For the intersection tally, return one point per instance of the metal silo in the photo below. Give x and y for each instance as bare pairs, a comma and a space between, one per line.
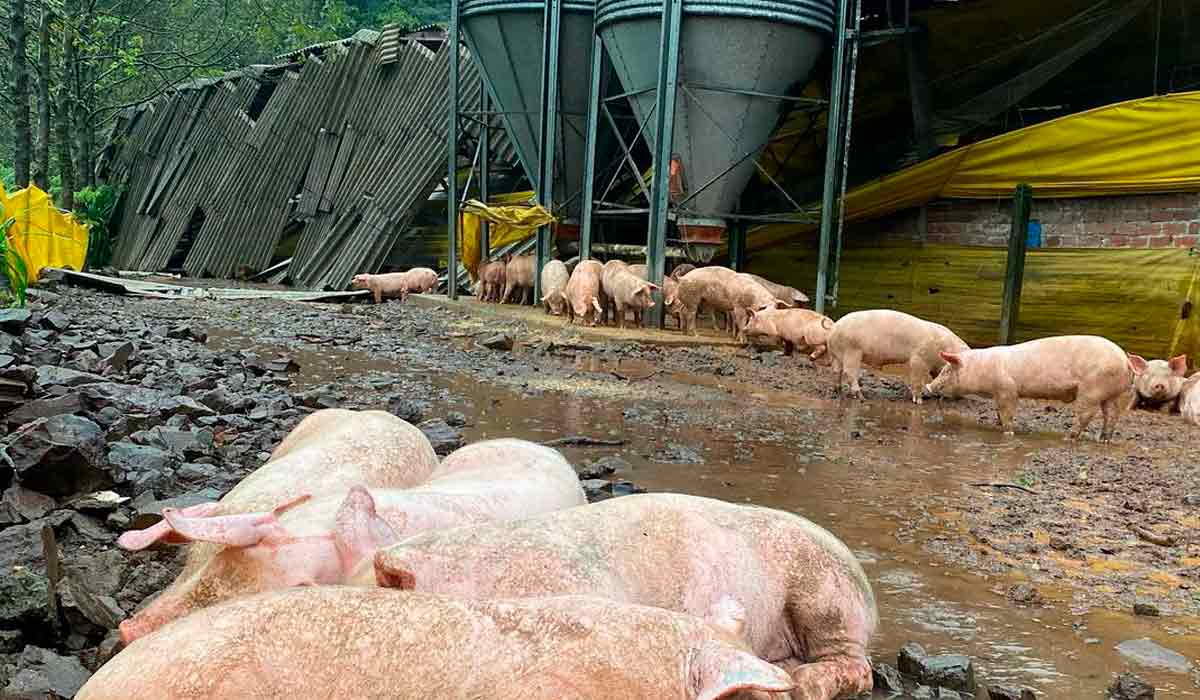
737, 59
506, 39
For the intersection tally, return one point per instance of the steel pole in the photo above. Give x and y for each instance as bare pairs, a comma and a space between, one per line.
833, 147
549, 131
452, 167
485, 154
664, 131
589, 155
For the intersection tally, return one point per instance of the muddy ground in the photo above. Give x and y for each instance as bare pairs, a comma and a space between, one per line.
1072, 538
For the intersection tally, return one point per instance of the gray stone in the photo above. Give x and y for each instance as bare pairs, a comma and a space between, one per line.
19, 505
184, 405
1008, 692
184, 331
14, 320
602, 467
406, 409
98, 502
56, 320
100, 609
455, 419
953, 671
128, 459
923, 692
50, 375
189, 444
21, 545
1153, 655
60, 456
24, 596
116, 359
1129, 687
911, 660
500, 341
196, 472
44, 675
45, 408
11, 641
887, 678
1145, 608
444, 438
677, 454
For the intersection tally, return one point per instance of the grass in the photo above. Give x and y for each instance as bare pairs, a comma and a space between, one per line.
15, 271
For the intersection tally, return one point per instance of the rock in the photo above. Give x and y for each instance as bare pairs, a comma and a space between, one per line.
1191, 499
21, 545
150, 513
911, 659
887, 679
14, 320
677, 454
455, 419
500, 341
221, 400
128, 460
184, 331
45, 408
406, 409
44, 675
953, 671
102, 610
99, 502
7, 360
948, 694
602, 467
189, 444
49, 375
91, 528
1025, 594
1008, 692
923, 692
1129, 687
12, 394
1153, 655
20, 504
24, 596
60, 456
184, 405
116, 359
444, 438
596, 489
1145, 608
625, 488
11, 641
117, 520
56, 321
126, 398
196, 473
283, 365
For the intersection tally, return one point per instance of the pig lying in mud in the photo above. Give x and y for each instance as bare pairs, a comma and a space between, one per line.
321, 540
881, 337
518, 279
585, 299
340, 642
799, 329
1090, 371
397, 285
554, 287
491, 280
1158, 382
809, 606
1189, 400
782, 292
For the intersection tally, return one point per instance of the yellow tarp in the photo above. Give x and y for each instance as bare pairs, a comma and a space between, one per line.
509, 221
1147, 301
1140, 146
41, 234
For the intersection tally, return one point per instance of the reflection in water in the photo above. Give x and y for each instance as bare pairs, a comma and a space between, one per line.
864, 470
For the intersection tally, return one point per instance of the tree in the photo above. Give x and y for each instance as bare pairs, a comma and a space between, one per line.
63, 115
22, 139
41, 154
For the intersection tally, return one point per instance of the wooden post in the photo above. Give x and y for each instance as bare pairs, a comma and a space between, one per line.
1014, 273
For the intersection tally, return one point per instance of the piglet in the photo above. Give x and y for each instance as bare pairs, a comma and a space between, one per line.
339, 642
809, 606
554, 287
1189, 400
782, 292
584, 296
1158, 382
1093, 372
799, 329
518, 279
879, 337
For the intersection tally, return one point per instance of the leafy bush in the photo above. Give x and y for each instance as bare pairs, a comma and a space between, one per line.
16, 274
8, 177
94, 207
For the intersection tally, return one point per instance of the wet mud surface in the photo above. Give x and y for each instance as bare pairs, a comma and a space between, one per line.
1035, 579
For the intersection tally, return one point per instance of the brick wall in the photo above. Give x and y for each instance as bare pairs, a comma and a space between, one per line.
1142, 221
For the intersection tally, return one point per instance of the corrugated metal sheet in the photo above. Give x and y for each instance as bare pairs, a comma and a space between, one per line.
344, 146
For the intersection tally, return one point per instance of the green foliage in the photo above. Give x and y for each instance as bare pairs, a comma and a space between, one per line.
8, 176
94, 207
16, 274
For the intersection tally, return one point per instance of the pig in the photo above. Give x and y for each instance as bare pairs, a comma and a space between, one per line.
518, 278
554, 287
640, 270
710, 286
392, 285
682, 269
1091, 371
628, 291
800, 329
324, 466
669, 287
791, 295
491, 280
584, 296
1158, 382
810, 607
421, 280
748, 295
345, 642
1189, 400
879, 337
610, 268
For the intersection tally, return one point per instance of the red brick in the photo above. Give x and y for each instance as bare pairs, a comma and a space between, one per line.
1185, 241
1102, 229
1159, 242
1194, 228
1127, 229
1148, 229
1174, 228
1161, 214
1118, 242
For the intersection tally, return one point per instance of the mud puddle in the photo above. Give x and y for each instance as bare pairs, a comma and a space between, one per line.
869, 472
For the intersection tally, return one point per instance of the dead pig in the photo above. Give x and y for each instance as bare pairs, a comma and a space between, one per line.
1087, 370
554, 287
881, 337
799, 329
330, 460
343, 642
1158, 382
518, 278
810, 607
782, 292
584, 296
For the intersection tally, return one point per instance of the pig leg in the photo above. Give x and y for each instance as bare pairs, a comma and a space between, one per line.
851, 364
829, 678
620, 312
1006, 407
1112, 411
788, 347
378, 295
918, 375
508, 290
1087, 410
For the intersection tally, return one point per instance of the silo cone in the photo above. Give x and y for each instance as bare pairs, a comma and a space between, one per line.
765, 46
505, 38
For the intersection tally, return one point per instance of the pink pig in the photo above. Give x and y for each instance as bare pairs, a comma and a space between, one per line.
421, 280
782, 292
329, 453
584, 296
518, 279
340, 642
1189, 400
628, 291
396, 285
1158, 382
554, 287
809, 606
1091, 371
802, 329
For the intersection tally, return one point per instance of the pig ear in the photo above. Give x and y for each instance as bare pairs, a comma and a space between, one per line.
1137, 362
136, 540
722, 671
239, 530
358, 529
1178, 364
951, 358
651, 286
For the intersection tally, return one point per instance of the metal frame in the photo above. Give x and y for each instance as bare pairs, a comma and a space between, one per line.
549, 132
452, 166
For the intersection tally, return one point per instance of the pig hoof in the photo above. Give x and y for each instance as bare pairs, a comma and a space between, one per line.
1010, 433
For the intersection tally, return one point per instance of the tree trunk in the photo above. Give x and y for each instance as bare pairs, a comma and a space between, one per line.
20, 91
65, 115
82, 108
41, 154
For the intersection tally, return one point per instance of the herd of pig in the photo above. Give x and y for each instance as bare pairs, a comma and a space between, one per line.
353, 564
1089, 371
